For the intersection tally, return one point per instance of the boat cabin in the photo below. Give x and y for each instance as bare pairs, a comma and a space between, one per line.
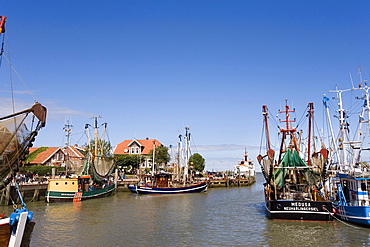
162, 180
63, 185
355, 190
79, 184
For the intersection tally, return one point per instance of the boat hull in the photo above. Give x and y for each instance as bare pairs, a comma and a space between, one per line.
299, 210
58, 196
6, 232
355, 214
142, 189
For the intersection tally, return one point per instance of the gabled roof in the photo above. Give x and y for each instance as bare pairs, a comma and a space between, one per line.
76, 151
134, 141
44, 156
146, 144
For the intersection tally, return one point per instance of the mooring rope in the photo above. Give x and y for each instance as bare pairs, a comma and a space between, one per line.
347, 224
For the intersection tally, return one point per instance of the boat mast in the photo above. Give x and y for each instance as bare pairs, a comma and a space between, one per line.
265, 120
96, 136
153, 166
310, 116
364, 117
68, 129
270, 153
187, 149
288, 130
178, 167
343, 127
334, 143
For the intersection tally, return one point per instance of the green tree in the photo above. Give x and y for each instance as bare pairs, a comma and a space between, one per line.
197, 161
104, 148
161, 156
128, 160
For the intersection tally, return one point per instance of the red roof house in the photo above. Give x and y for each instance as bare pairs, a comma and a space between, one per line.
57, 156
134, 146
139, 147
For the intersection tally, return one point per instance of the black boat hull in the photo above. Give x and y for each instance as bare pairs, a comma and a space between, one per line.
299, 210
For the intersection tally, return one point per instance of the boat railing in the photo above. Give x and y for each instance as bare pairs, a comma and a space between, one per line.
297, 192
295, 167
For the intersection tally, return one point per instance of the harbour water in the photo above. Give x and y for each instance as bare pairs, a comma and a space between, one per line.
219, 217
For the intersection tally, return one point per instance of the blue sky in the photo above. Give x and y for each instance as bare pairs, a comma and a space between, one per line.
150, 68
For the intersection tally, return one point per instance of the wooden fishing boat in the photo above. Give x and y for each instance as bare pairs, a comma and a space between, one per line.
94, 180
70, 190
294, 188
164, 183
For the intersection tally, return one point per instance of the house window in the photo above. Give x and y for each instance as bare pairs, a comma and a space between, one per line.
134, 150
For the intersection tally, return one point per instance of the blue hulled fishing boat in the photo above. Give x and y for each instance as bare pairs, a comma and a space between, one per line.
349, 165
168, 184
163, 185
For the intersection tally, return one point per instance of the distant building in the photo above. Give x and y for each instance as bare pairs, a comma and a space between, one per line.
139, 147
57, 156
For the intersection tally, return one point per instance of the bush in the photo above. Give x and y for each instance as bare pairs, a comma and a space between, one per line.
42, 170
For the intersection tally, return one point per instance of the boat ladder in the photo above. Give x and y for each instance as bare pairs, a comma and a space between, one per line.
77, 197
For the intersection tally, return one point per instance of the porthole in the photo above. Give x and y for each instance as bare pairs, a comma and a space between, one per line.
66, 183
73, 182
56, 183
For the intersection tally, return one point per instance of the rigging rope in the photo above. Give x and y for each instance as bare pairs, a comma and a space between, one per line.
302, 120
24, 84
262, 137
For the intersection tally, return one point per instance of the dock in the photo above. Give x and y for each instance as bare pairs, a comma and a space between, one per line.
30, 192
122, 184
36, 191
230, 182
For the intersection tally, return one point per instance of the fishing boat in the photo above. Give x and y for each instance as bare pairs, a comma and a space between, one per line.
164, 183
245, 168
94, 181
294, 180
350, 160
18, 131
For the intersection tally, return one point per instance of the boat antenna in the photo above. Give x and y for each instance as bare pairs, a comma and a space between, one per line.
350, 76
360, 72
96, 135
68, 129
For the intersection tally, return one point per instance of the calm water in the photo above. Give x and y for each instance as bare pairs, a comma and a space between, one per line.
219, 217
